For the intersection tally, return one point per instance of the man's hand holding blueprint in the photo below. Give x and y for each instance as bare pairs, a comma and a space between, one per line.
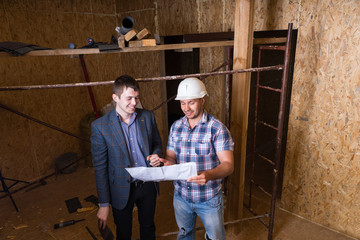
174, 172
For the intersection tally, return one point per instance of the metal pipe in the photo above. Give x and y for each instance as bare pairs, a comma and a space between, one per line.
280, 130
173, 97
42, 123
228, 82
87, 79
175, 77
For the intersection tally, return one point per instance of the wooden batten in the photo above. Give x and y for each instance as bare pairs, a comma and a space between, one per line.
145, 33
121, 41
143, 43
131, 35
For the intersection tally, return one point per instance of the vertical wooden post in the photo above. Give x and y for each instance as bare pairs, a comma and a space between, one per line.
165, 123
243, 43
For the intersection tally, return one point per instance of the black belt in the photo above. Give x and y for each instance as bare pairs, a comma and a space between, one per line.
137, 183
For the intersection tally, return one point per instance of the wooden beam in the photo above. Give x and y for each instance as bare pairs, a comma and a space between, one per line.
66, 51
243, 44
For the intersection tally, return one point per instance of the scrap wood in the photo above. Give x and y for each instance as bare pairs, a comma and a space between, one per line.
145, 33
80, 210
143, 43
131, 34
21, 226
92, 211
121, 41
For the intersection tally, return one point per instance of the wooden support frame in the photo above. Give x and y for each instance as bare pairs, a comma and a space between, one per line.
243, 44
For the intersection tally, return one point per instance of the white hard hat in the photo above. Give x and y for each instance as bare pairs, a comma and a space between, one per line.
191, 88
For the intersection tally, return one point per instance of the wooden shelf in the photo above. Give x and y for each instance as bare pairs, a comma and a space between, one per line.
86, 51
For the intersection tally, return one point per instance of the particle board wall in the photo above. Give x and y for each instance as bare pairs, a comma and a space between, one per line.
211, 19
321, 179
200, 17
28, 149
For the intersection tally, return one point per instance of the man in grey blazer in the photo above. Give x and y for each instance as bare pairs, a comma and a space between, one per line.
125, 137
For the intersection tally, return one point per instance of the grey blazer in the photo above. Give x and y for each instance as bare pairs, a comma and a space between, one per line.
110, 154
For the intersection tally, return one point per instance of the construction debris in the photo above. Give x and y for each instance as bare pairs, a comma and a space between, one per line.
142, 43
80, 210
135, 38
131, 35
21, 226
143, 34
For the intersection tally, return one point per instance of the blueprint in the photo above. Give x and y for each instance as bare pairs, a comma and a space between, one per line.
167, 173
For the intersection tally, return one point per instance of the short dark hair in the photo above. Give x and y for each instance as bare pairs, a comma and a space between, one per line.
123, 82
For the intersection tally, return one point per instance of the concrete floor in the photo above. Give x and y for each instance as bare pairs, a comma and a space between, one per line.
44, 206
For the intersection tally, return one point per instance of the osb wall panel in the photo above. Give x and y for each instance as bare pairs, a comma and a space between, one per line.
274, 15
321, 179
133, 6
39, 145
212, 58
211, 18
182, 20
29, 148
228, 15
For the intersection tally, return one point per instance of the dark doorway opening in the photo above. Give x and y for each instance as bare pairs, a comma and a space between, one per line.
178, 62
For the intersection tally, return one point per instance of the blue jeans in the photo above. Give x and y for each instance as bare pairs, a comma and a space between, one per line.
211, 214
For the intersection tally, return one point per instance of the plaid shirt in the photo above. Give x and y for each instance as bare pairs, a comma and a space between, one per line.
199, 145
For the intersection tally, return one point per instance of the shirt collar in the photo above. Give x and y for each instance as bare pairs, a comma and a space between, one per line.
133, 116
204, 119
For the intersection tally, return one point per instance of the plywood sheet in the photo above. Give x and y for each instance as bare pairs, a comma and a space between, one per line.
210, 59
210, 16
133, 6
182, 20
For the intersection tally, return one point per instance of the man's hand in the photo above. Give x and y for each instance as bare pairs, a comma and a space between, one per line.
166, 162
199, 179
154, 160
102, 215
225, 168
170, 158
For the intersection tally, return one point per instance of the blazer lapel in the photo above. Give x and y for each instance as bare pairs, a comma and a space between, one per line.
141, 129
118, 133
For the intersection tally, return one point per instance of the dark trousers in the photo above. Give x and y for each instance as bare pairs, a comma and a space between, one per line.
144, 196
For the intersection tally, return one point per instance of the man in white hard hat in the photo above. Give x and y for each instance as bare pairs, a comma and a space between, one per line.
201, 138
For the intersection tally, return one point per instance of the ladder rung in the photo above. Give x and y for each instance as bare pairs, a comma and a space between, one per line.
268, 125
269, 88
260, 218
272, 47
261, 188
265, 158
